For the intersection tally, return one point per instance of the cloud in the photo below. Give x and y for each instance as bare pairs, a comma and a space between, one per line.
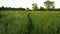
25, 3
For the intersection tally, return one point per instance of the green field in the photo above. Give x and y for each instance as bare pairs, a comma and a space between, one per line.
35, 22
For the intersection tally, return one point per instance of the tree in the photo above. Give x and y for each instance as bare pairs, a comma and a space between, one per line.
2, 7
42, 8
27, 9
49, 4
34, 6
52, 5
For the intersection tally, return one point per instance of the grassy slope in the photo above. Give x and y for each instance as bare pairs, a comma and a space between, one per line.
16, 22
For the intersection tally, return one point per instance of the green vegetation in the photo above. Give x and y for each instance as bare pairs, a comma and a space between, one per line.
49, 5
29, 22
34, 6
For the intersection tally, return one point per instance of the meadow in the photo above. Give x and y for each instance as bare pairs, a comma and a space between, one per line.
29, 22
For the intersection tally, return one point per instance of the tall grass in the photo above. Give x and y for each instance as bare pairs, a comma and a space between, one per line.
15, 22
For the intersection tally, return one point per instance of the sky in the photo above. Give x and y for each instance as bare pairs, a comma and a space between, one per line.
25, 3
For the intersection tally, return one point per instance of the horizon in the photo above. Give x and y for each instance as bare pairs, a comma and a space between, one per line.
25, 3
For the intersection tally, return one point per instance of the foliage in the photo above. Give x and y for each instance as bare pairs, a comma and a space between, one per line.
27, 9
34, 6
9, 8
49, 5
42, 8
15, 22
30, 26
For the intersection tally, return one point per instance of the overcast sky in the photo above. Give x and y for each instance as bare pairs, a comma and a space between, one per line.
25, 3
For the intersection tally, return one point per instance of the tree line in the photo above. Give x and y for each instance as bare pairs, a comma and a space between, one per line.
49, 6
